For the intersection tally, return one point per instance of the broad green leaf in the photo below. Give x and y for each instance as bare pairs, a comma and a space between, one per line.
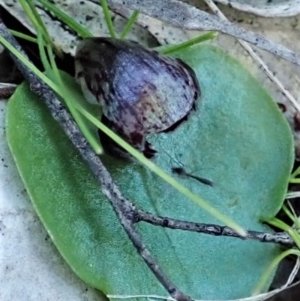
237, 138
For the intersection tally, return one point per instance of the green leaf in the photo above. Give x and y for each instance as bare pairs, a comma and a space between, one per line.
237, 138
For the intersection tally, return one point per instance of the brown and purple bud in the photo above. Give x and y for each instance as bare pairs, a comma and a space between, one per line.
140, 91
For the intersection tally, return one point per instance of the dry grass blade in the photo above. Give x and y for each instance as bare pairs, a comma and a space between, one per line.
258, 59
188, 17
283, 8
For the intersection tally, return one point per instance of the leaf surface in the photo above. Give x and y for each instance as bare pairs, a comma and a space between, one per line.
236, 138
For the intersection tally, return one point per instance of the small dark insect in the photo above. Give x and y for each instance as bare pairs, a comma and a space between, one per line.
181, 172
140, 91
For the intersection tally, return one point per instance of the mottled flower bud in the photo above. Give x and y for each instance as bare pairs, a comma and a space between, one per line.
140, 91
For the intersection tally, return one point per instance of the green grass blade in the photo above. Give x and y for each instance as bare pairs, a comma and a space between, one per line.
43, 56
291, 216
189, 43
108, 20
295, 173
80, 30
23, 36
129, 24
39, 24
26, 7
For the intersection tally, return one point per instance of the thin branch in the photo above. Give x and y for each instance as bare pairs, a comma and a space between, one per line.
122, 207
257, 59
185, 16
282, 238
